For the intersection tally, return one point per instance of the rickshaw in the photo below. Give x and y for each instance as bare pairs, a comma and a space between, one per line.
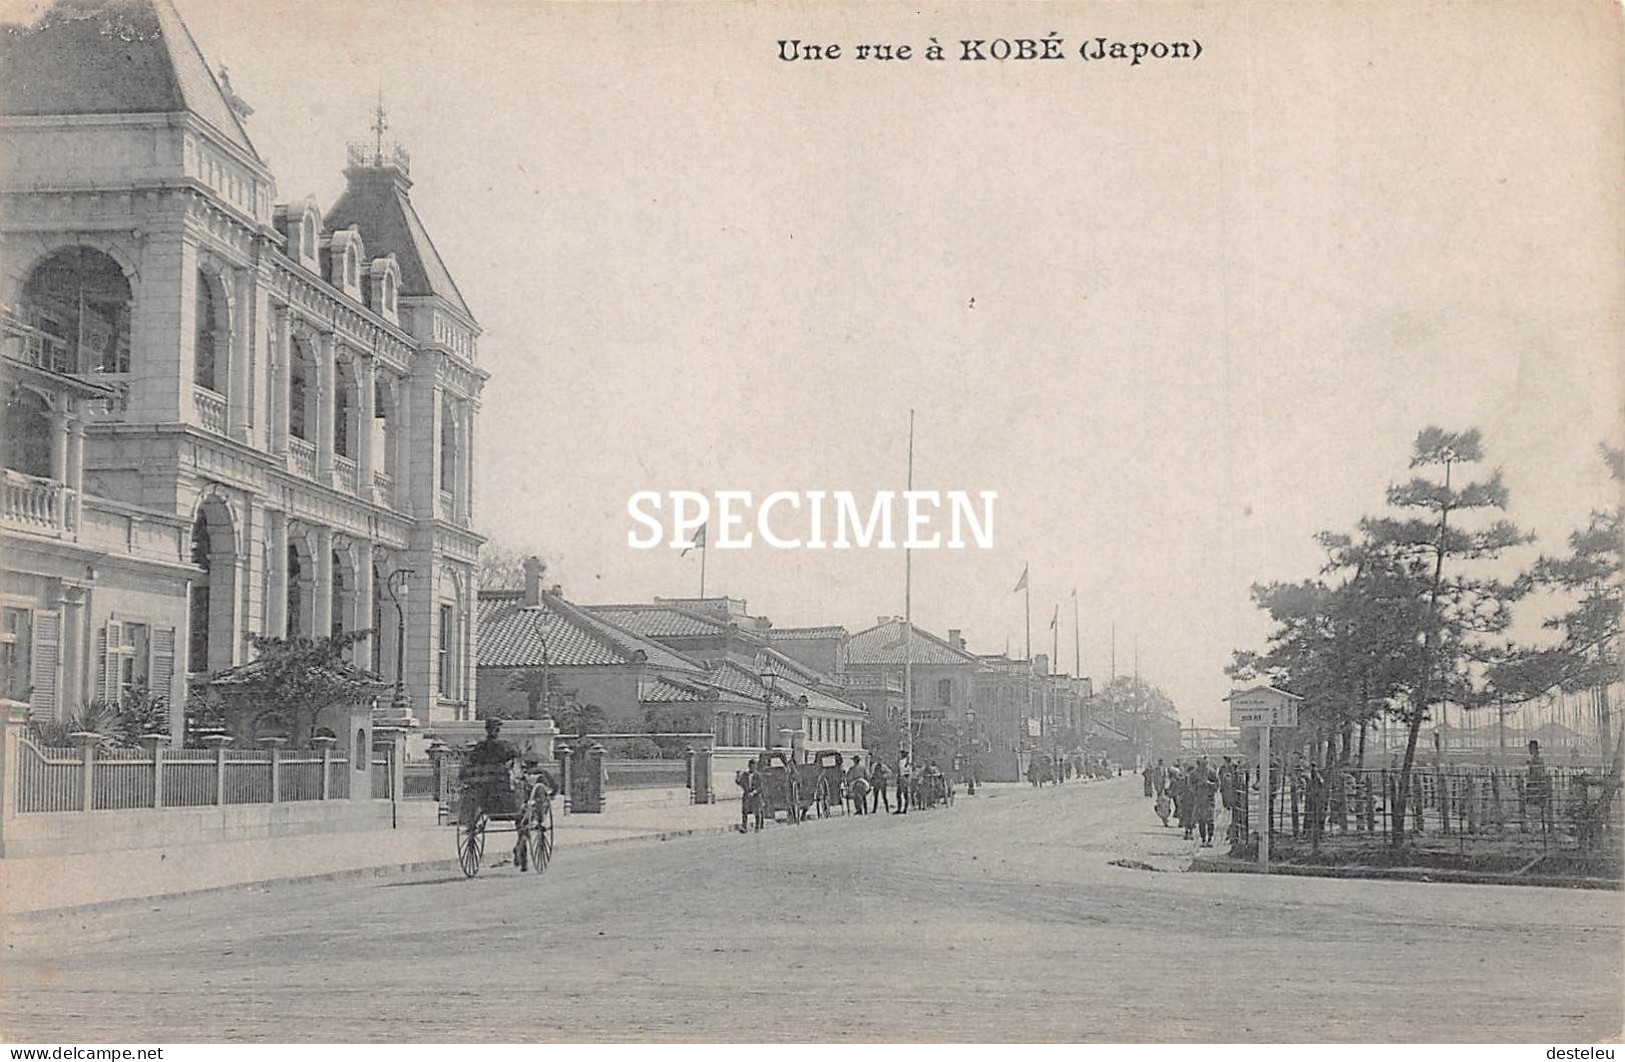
513, 794
798, 789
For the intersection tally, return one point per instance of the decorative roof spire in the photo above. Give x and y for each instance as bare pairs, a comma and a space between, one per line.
238, 105
380, 154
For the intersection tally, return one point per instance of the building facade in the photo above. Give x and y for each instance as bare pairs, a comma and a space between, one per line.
274, 407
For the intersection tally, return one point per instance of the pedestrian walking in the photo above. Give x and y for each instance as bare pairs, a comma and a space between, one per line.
1159, 777
879, 781
1204, 786
1146, 778
905, 781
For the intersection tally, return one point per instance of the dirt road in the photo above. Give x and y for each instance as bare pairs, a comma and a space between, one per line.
998, 919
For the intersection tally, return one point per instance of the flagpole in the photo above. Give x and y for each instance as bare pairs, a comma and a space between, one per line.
1077, 638
908, 617
1027, 596
705, 549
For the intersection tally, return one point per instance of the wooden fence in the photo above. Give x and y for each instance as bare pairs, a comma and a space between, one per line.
89, 778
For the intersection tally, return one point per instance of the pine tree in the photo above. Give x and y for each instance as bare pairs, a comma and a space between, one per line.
1435, 552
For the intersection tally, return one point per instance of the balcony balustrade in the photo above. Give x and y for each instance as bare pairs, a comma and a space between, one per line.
384, 484
37, 505
303, 454
211, 409
344, 473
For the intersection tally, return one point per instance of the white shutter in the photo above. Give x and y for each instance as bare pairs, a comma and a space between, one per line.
44, 654
111, 638
161, 666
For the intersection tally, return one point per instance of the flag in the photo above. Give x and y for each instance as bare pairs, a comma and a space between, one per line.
1022, 585
1055, 619
1074, 593
699, 540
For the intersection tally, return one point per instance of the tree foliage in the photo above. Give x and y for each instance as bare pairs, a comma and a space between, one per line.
302, 677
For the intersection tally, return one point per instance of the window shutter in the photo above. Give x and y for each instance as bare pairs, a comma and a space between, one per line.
161, 669
112, 637
44, 654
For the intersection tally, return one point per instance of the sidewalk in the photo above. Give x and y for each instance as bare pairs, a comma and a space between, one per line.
31, 885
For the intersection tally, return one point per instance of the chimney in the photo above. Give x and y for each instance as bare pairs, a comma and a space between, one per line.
956, 638
533, 581
881, 621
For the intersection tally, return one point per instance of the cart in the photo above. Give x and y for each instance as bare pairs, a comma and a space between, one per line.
509, 795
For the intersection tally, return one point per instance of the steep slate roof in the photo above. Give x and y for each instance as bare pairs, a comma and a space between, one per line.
659, 621
111, 57
511, 636
883, 644
375, 201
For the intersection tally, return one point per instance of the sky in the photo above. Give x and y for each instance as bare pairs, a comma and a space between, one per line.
1180, 316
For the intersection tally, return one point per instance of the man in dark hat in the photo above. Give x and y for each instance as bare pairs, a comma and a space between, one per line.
486, 771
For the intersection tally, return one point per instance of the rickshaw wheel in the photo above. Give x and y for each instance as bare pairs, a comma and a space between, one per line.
471, 844
821, 798
542, 838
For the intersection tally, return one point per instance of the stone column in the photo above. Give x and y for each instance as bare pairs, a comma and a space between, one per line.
322, 594
326, 393
240, 345
363, 592
276, 608
465, 469
71, 694
76, 471
365, 460
281, 376
59, 446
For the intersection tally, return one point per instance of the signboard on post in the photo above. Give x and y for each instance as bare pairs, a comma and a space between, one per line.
1263, 707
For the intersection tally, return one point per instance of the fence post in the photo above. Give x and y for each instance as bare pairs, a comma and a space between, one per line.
563, 751
275, 745
154, 744
86, 740
219, 743
13, 717
325, 744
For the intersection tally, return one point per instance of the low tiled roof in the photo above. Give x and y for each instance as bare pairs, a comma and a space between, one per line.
512, 635
883, 644
659, 621
664, 689
794, 634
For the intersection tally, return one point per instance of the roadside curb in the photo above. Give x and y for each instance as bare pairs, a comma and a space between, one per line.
1422, 875
382, 870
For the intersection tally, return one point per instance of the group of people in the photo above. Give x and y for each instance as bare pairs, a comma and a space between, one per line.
1187, 792
864, 789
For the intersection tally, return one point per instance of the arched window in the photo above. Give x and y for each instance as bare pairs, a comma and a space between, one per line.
448, 445
301, 390
338, 595
76, 307
25, 444
296, 581
344, 406
198, 632
209, 339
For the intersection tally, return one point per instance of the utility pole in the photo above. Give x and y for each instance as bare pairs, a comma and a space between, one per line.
908, 618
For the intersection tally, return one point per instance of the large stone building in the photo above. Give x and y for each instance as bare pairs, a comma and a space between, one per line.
225, 416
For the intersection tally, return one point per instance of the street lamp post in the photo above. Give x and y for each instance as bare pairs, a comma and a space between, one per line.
769, 680
396, 584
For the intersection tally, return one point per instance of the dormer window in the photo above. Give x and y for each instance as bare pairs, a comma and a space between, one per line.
383, 289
